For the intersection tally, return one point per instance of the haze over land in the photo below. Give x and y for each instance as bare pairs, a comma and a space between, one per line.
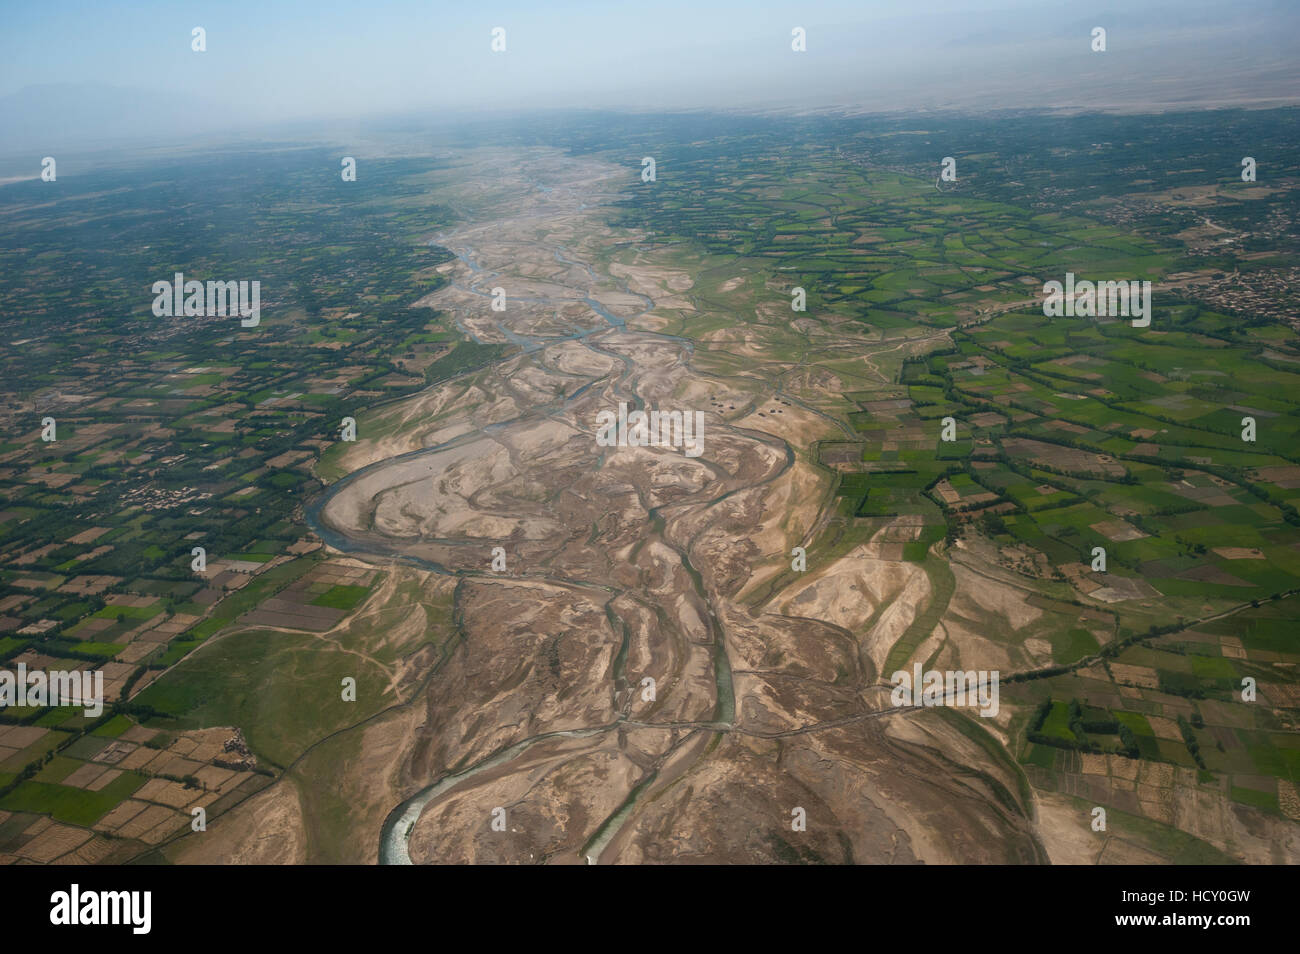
96, 74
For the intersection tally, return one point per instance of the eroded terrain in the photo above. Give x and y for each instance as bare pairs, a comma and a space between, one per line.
628, 564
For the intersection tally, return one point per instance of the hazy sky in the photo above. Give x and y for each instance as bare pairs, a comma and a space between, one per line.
278, 59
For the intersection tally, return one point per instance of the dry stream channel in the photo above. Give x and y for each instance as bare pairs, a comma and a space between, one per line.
396, 832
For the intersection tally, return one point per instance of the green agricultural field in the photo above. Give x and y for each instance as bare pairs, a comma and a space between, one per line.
71, 805
342, 597
287, 689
